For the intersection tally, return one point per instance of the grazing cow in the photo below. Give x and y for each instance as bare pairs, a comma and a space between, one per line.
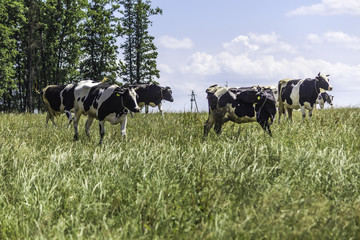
324, 98
239, 105
152, 94
58, 99
105, 102
295, 94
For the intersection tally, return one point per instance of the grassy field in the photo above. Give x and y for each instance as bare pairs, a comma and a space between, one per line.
164, 182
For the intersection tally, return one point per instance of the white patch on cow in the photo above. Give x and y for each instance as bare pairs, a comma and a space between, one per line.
81, 91
113, 119
230, 114
133, 96
307, 106
295, 96
62, 106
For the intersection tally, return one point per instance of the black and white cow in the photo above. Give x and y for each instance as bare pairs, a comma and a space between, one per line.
324, 98
301, 93
239, 105
58, 99
150, 94
105, 102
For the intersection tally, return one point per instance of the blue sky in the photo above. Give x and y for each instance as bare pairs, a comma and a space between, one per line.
245, 43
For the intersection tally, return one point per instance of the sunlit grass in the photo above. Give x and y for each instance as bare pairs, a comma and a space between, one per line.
163, 181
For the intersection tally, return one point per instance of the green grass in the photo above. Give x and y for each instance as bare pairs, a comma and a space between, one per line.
164, 182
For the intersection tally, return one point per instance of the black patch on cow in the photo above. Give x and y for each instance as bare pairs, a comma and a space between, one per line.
78, 99
113, 104
83, 99
227, 98
68, 98
52, 94
212, 101
245, 110
308, 92
247, 95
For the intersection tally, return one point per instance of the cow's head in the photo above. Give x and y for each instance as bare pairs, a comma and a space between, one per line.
166, 94
266, 105
323, 82
128, 98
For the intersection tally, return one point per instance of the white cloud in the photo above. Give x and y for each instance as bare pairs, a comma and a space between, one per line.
261, 63
174, 43
339, 39
202, 64
329, 7
259, 43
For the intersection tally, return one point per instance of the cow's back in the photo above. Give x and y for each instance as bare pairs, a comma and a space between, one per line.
52, 96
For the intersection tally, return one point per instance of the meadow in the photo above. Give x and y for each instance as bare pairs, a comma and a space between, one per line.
163, 181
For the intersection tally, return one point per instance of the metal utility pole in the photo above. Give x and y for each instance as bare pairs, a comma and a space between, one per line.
193, 100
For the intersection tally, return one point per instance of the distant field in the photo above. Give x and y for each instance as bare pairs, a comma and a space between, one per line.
163, 181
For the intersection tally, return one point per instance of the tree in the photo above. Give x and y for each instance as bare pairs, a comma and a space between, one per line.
99, 42
11, 14
138, 47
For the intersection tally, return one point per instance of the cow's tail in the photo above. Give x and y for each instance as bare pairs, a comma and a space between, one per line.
36, 90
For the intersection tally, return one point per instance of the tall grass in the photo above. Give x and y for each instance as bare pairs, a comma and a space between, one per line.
163, 181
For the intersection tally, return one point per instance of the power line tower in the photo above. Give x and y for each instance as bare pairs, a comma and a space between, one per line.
193, 100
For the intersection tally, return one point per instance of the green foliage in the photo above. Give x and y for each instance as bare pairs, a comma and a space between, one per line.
99, 41
163, 181
11, 14
138, 47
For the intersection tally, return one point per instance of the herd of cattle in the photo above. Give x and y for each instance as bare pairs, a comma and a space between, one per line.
110, 102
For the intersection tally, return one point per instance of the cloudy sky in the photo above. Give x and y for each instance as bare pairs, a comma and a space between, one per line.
245, 43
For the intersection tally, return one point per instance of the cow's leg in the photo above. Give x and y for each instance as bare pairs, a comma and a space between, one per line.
290, 113
217, 127
281, 110
160, 109
123, 126
77, 116
208, 125
102, 130
303, 112
88, 124
69, 116
146, 109
47, 119
265, 125
310, 114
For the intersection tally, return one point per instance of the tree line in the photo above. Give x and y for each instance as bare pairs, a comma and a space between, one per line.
44, 42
